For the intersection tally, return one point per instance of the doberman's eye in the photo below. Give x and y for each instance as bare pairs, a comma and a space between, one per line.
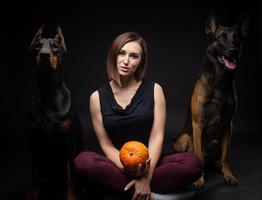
54, 45
37, 46
57, 50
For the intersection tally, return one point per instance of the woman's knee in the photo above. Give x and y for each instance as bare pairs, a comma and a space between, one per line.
187, 162
84, 161
194, 164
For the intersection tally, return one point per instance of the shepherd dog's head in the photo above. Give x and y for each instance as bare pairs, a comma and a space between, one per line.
226, 41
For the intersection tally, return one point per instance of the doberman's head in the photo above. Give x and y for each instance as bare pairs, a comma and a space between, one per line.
48, 51
226, 41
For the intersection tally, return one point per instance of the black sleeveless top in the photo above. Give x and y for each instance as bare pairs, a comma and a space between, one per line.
132, 123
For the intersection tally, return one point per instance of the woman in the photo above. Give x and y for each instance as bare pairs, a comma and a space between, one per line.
132, 108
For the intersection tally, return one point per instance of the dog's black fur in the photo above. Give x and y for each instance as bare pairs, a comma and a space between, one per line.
208, 127
54, 129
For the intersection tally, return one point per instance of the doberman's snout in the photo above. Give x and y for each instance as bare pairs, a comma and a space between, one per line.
45, 54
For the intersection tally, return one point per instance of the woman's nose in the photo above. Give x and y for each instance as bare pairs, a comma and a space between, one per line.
126, 60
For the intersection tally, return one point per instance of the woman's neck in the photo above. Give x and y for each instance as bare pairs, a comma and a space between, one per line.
125, 83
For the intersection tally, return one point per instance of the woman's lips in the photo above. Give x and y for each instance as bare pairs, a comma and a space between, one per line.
124, 69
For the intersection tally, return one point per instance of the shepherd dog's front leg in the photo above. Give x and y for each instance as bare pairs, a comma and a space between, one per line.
197, 135
228, 176
197, 101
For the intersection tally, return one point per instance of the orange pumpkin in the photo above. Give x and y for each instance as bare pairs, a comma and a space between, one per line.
132, 154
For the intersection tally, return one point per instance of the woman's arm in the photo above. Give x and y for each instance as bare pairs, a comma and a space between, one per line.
107, 146
157, 133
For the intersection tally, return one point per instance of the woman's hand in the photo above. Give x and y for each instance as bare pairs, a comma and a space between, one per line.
141, 171
142, 188
141, 182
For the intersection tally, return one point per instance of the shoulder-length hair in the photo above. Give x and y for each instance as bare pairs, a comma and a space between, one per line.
118, 43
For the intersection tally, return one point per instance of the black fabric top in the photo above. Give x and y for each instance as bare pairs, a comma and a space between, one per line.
132, 123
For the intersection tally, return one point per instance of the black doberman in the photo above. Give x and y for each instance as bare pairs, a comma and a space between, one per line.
54, 129
208, 126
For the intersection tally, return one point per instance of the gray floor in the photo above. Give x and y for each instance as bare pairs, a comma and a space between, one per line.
245, 159
246, 162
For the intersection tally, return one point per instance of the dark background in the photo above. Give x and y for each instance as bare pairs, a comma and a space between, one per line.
176, 42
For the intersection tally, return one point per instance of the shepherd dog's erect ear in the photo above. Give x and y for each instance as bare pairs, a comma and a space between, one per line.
211, 24
37, 37
242, 23
60, 38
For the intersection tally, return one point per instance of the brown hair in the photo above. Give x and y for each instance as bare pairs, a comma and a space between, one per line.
118, 43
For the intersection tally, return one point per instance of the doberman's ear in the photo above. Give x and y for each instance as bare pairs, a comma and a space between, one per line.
60, 38
37, 36
211, 24
242, 23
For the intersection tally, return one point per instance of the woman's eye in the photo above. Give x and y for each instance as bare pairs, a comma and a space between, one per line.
134, 56
121, 53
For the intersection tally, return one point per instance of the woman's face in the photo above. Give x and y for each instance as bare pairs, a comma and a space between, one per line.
129, 58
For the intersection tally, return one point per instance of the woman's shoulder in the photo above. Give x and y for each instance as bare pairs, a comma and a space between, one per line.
94, 97
94, 94
156, 88
157, 85
154, 84
102, 89
158, 91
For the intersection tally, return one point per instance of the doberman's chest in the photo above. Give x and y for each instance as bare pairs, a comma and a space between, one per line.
47, 115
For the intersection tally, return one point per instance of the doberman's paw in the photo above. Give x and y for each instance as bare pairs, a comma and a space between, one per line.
199, 183
32, 195
34, 192
71, 195
71, 198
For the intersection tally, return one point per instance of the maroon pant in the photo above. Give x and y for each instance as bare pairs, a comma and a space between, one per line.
173, 172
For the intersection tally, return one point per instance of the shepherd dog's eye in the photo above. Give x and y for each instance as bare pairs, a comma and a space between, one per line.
237, 39
222, 38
